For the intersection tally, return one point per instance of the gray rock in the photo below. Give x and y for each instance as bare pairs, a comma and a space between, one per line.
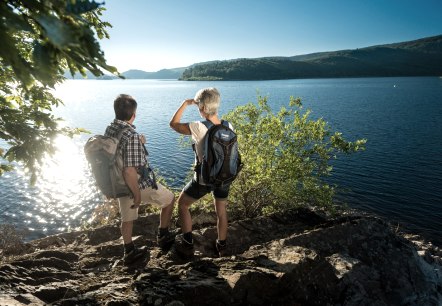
300, 257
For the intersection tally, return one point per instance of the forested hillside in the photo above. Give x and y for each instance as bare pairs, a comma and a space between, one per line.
421, 57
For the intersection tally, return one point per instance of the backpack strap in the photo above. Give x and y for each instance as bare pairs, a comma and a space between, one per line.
119, 149
207, 123
121, 132
120, 135
148, 169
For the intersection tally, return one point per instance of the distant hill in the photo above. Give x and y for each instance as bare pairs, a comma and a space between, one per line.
174, 73
89, 75
422, 57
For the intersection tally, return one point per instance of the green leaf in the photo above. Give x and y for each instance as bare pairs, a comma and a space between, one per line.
82, 6
39, 40
11, 56
13, 21
44, 57
57, 32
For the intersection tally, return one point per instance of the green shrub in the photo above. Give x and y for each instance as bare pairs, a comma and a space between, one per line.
286, 158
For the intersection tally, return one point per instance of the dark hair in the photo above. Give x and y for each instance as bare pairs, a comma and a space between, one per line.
124, 107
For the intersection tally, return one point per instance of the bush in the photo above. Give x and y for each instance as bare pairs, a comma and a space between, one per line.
286, 158
106, 213
11, 241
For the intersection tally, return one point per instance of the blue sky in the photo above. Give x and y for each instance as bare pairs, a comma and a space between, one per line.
151, 35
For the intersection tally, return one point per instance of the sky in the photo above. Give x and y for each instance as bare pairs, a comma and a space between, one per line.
155, 34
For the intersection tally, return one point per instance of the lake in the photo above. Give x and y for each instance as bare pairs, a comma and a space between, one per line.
399, 176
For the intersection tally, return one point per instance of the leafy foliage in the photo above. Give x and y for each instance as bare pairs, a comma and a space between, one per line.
286, 156
40, 40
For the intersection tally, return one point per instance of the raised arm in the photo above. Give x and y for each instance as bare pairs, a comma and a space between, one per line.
182, 128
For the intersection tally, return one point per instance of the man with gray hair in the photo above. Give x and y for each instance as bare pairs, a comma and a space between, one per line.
207, 100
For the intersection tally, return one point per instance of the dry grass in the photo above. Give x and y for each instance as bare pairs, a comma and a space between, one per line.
105, 213
11, 242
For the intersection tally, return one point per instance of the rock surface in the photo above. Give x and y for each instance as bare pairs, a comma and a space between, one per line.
298, 258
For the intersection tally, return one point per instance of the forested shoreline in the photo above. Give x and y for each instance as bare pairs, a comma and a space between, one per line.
421, 57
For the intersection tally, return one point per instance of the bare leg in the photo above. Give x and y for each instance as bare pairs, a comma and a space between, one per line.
126, 231
166, 215
221, 213
184, 202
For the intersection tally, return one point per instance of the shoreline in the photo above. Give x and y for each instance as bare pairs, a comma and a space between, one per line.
406, 229
278, 259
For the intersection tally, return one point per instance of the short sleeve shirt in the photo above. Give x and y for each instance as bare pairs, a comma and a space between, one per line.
131, 147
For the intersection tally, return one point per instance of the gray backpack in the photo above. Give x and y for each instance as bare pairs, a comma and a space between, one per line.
104, 156
221, 161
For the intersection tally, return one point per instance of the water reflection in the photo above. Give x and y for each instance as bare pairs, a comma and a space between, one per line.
399, 176
61, 191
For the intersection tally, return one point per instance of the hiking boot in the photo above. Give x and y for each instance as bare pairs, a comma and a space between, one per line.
183, 247
134, 255
221, 249
166, 241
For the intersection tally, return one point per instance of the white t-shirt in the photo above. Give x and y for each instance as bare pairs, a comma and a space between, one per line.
198, 130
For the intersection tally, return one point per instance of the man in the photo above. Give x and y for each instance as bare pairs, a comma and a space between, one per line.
138, 179
207, 100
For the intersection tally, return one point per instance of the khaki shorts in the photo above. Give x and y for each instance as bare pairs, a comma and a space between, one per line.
161, 198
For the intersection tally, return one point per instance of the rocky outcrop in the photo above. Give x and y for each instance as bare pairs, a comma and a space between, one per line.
301, 257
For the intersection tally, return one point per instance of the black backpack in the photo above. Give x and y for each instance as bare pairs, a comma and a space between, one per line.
105, 160
221, 161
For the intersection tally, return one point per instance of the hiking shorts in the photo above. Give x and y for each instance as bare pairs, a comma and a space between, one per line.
197, 191
161, 198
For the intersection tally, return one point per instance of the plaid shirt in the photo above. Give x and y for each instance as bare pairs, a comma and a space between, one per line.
132, 149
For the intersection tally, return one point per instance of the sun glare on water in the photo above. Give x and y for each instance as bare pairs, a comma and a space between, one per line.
67, 167
64, 186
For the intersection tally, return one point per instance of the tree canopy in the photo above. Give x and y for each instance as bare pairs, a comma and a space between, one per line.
40, 40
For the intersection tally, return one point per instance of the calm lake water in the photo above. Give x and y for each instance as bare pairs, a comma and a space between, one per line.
399, 176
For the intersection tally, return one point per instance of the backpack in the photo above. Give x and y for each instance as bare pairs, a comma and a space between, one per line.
105, 160
221, 161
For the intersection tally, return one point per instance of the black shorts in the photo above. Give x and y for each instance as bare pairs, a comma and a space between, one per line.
197, 191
